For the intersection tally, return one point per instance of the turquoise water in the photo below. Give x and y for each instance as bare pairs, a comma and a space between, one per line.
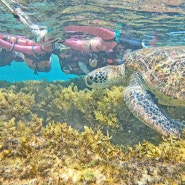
20, 72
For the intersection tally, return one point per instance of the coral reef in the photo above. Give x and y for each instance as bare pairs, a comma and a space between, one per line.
56, 133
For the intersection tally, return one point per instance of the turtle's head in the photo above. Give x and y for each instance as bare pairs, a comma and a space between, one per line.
105, 76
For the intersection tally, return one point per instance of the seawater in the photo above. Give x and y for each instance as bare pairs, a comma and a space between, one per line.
58, 155
19, 71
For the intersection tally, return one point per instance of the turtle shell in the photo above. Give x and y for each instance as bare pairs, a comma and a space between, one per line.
163, 69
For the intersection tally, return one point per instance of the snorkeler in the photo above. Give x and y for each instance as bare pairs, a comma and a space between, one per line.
32, 53
25, 46
6, 57
75, 62
81, 63
39, 63
105, 47
103, 39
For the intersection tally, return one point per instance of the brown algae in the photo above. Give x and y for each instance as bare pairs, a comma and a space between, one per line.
31, 153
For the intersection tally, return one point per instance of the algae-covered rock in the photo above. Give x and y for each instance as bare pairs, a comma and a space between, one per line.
58, 154
78, 107
15, 104
65, 134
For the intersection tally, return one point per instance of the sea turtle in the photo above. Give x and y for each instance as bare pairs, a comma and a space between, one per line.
147, 73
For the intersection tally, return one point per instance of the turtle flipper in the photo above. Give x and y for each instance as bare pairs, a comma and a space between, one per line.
142, 105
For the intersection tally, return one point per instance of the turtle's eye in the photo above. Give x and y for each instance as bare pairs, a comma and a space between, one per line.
88, 81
